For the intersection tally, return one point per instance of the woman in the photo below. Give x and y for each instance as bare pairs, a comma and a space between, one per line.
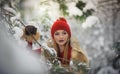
67, 48
31, 35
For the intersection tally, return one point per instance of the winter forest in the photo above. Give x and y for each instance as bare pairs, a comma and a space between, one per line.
95, 24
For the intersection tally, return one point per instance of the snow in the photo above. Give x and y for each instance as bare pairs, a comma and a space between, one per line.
15, 18
14, 57
90, 21
50, 50
73, 10
89, 5
11, 10
18, 32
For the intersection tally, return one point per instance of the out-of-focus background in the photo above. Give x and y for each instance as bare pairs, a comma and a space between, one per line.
95, 23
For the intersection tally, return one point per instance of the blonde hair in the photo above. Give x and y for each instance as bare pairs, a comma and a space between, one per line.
56, 47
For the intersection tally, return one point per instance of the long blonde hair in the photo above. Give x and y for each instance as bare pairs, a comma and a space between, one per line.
67, 45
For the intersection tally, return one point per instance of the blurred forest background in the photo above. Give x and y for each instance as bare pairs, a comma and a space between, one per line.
95, 23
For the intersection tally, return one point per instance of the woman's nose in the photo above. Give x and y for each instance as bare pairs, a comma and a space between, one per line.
61, 36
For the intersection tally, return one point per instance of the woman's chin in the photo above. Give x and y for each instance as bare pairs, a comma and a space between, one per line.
61, 44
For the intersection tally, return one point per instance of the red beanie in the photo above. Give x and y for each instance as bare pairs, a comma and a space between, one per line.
60, 24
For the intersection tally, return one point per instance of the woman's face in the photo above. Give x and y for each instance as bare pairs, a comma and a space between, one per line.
61, 37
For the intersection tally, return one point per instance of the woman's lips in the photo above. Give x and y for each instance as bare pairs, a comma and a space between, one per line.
61, 40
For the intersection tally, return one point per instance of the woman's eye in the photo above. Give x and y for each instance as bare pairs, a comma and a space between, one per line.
56, 33
64, 33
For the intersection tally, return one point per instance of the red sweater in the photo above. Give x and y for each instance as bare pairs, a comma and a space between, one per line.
61, 55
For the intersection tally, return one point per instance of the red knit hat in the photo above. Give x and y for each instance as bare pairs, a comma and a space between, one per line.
60, 24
